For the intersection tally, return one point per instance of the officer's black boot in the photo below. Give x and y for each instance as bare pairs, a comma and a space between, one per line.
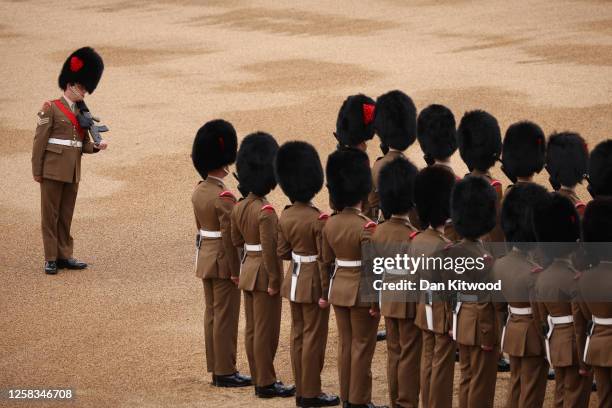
50, 267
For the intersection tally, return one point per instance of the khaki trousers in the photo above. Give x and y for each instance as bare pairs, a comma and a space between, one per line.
603, 377
309, 324
528, 377
478, 376
222, 300
356, 346
263, 314
572, 389
403, 361
57, 200
437, 370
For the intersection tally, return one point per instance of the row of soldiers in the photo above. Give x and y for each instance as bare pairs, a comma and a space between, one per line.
241, 244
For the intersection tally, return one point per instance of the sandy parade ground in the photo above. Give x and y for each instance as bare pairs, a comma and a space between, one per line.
128, 331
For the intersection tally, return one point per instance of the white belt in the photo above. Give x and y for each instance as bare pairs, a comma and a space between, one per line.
253, 247
340, 263
298, 260
552, 321
603, 321
429, 310
64, 142
210, 234
518, 311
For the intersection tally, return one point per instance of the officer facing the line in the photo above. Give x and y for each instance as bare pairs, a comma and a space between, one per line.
59, 142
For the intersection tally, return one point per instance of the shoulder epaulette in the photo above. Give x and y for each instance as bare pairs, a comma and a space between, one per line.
495, 183
580, 206
323, 216
267, 207
537, 269
369, 224
449, 246
488, 259
227, 194
45, 106
414, 234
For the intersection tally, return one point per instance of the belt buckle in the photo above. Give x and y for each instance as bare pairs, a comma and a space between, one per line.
74, 143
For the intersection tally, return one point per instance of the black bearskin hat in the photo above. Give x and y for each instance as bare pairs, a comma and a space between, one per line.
473, 207
85, 67
255, 163
432, 195
597, 226
517, 212
298, 171
436, 132
523, 149
555, 220
567, 159
395, 120
349, 179
214, 146
396, 187
600, 169
355, 122
479, 140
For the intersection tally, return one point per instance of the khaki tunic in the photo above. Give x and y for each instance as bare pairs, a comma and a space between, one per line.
343, 234
523, 339
559, 281
299, 231
60, 168
254, 222
571, 194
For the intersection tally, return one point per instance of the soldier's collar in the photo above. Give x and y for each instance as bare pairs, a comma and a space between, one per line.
216, 179
352, 209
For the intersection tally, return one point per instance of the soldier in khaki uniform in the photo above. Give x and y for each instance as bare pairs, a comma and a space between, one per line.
254, 228
475, 321
217, 262
600, 170
59, 143
522, 337
567, 158
595, 287
556, 221
479, 139
395, 188
349, 181
395, 124
432, 192
300, 175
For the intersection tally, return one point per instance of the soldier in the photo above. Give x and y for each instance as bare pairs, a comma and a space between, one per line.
567, 159
217, 263
432, 192
600, 170
395, 187
523, 152
557, 226
59, 143
437, 135
395, 123
479, 140
349, 181
595, 289
254, 227
522, 337
475, 323
300, 175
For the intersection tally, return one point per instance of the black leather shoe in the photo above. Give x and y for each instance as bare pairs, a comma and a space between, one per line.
381, 335
70, 263
232, 380
50, 267
368, 405
323, 400
277, 389
503, 365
